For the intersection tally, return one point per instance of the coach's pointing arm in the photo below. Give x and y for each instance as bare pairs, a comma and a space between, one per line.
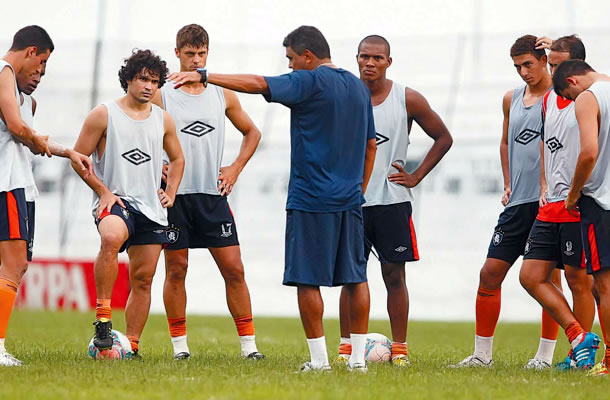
245, 83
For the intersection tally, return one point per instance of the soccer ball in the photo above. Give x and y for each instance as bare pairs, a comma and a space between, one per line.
378, 348
121, 348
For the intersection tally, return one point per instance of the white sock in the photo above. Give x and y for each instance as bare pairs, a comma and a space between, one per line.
546, 349
576, 341
358, 344
180, 345
248, 345
483, 347
345, 340
2, 348
318, 352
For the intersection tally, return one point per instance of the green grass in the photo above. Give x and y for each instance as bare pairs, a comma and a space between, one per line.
53, 344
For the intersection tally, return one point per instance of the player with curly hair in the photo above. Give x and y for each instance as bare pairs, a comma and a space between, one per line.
127, 138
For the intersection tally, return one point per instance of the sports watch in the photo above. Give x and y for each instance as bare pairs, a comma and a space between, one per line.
204, 76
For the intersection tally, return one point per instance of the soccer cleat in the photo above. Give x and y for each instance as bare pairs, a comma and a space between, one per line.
255, 355
7, 360
599, 369
568, 364
135, 356
309, 367
537, 364
182, 356
342, 359
473, 362
584, 352
357, 367
400, 360
103, 334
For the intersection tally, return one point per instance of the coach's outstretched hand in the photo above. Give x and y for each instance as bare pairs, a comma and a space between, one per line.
184, 78
402, 177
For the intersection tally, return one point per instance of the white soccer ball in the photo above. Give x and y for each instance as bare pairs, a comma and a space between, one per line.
378, 348
121, 348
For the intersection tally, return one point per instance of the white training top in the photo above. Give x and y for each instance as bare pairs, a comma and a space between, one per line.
561, 145
200, 125
16, 169
392, 134
132, 162
598, 185
27, 115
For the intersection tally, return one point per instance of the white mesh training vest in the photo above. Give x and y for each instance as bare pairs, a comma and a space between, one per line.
561, 146
598, 185
27, 115
132, 162
16, 169
392, 134
200, 125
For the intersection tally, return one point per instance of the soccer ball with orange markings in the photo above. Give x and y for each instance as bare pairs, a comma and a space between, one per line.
121, 348
378, 348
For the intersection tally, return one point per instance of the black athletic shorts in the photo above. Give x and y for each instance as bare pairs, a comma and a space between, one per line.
389, 229
201, 221
555, 241
141, 229
31, 206
595, 230
13, 215
511, 233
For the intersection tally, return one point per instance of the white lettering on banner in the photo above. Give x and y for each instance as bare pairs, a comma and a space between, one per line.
34, 281
57, 278
77, 294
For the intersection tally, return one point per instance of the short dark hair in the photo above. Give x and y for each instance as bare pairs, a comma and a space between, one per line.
526, 45
142, 60
192, 35
567, 69
570, 44
307, 38
376, 39
32, 35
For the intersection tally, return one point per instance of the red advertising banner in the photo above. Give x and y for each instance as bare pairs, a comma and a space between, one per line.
59, 284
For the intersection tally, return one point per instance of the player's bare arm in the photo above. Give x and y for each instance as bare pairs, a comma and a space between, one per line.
587, 115
93, 137
9, 112
171, 145
420, 111
369, 162
504, 147
245, 83
543, 184
252, 136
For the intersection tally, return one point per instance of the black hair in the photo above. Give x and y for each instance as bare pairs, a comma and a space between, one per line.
526, 45
567, 69
32, 35
376, 39
142, 60
307, 38
570, 44
192, 35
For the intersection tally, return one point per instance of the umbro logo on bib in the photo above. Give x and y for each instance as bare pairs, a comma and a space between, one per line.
380, 139
197, 128
136, 156
553, 144
526, 136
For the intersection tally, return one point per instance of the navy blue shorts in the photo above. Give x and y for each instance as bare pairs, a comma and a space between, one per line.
31, 207
201, 221
324, 249
595, 231
555, 241
13, 215
389, 229
512, 231
141, 229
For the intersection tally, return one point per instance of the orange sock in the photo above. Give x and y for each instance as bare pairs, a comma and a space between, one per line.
102, 309
487, 311
177, 326
244, 325
135, 341
550, 327
573, 329
399, 349
345, 348
8, 293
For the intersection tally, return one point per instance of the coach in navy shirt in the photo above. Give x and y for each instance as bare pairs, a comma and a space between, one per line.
332, 155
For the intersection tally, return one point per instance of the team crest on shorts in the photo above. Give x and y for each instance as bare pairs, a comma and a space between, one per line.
496, 239
226, 230
125, 212
172, 234
568, 252
528, 246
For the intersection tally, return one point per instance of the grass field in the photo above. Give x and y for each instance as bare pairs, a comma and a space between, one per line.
53, 344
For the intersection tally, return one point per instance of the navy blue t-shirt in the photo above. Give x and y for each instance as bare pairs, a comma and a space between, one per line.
331, 120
